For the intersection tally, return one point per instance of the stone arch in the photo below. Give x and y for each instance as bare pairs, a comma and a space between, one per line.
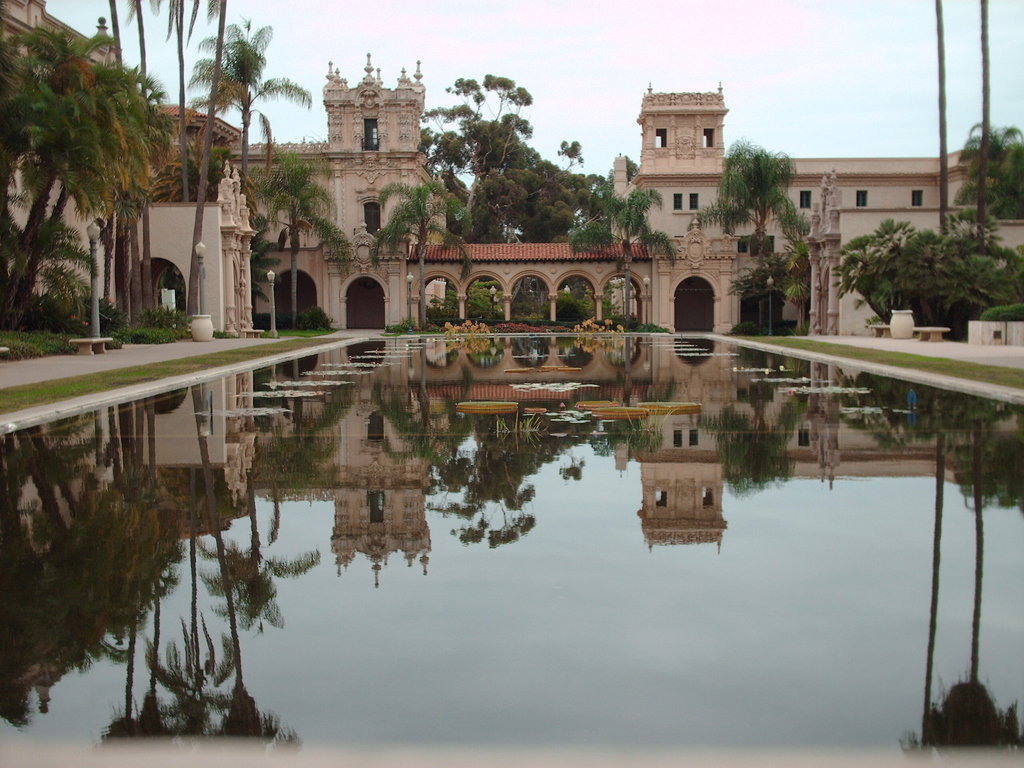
166, 276
528, 295
477, 305
586, 300
364, 303
442, 293
613, 285
694, 305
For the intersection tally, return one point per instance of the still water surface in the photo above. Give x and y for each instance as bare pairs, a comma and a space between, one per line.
805, 562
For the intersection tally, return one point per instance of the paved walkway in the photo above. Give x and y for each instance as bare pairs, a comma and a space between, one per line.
24, 372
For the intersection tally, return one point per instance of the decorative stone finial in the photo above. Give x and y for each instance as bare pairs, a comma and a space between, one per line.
419, 75
368, 69
650, 89
378, 76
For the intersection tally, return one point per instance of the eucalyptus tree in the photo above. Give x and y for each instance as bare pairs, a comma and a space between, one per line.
985, 130
754, 190
295, 201
623, 222
943, 148
422, 215
242, 83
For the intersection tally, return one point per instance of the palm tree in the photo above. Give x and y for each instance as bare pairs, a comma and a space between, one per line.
754, 190
1004, 182
622, 222
421, 215
176, 26
943, 149
983, 148
242, 83
197, 230
295, 201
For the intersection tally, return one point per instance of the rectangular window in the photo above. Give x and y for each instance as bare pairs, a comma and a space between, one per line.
862, 198
805, 198
371, 139
677, 201
709, 138
803, 437
694, 201
693, 437
375, 502
677, 438
660, 138
661, 498
917, 197
743, 244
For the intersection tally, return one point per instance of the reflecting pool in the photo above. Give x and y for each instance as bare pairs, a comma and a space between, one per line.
329, 551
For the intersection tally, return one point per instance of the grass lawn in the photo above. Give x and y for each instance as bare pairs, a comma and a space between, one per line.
31, 395
990, 374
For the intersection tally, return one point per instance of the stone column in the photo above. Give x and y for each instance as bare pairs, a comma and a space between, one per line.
815, 329
507, 302
553, 306
462, 306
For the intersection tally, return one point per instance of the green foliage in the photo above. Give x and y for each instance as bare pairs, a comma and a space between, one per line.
746, 328
171, 319
754, 189
26, 345
1006, 313
406, 326
314, 319
147, 335
1004, 189
113, 319
515, 195
569, 307
651, 328
938, 276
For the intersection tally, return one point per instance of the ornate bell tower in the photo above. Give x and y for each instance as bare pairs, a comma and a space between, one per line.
682, 132
373, 136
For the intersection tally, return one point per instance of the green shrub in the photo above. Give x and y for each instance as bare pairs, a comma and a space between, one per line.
48, 315
651, 328
403, 327
147, 335
314, 319
746, 328
1003, 314
112, 319
175, 320
33, 344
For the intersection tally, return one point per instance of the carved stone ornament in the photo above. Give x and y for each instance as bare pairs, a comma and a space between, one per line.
694, 246
373, 167
369, 98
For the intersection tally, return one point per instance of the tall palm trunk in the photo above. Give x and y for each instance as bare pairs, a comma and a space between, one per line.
146, 274
115, 29
943, 149
983, 149
294, 245
933, 610
421, 250
204, 163
979, 550
182, 122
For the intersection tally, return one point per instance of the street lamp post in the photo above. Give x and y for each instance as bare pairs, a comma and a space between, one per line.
271, 277
408, 298
647, 299
93, 231
494, 297
200, 251
771, 289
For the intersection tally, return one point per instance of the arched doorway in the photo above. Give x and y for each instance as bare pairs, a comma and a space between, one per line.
305, 294
365, 303
167, 277
695, 305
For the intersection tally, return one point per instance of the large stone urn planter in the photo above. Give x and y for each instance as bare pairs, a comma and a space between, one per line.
901, 324
202, 328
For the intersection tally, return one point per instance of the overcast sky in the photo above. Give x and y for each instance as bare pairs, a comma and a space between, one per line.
821, 78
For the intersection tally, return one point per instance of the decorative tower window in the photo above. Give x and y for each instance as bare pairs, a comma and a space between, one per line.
371, 216
709, 138
660, 138
371, 138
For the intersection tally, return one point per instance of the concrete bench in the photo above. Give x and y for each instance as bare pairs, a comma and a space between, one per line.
252, 333
930, 333
91, 346
880, 330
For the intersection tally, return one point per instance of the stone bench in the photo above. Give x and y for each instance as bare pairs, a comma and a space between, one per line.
880, 330
91, 346
930, 333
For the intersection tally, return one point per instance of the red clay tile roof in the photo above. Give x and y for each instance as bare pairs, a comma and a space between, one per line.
491, 252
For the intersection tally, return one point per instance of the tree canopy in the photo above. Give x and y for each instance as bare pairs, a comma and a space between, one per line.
480, 149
